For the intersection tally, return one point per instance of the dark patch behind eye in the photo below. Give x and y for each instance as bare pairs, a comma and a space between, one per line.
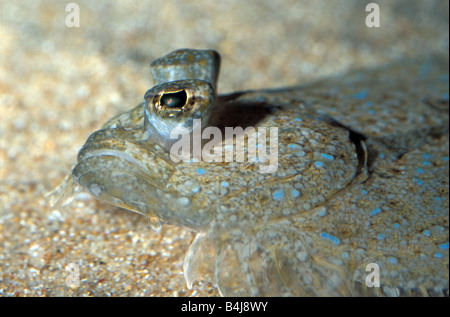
174, 100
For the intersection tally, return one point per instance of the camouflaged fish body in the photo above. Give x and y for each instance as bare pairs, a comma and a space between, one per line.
361, 178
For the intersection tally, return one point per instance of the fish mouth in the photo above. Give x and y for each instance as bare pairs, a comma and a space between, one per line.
117, 166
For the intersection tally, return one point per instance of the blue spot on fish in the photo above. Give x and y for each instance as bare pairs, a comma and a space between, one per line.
201, 171
419, 170
278, 195
319, 164
418, 181
427, 233
298, 119
426, 163
375, 212
425, 69
438, 255
438, 198
331, 238
260, 99
225, 184
381, 236
396, 226
393, 260
196, 189
444, 246
364, 192
360, 95
327, 156
445, 96
295, 193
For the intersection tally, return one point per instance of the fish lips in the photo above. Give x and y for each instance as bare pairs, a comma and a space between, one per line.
115, 166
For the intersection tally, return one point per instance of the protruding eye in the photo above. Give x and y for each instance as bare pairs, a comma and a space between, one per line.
174, 99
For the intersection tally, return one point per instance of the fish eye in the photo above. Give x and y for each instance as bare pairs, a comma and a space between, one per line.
173, 99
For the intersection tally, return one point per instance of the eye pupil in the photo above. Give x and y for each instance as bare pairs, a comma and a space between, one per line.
174, 100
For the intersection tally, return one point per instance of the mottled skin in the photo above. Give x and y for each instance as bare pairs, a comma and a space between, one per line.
362, 178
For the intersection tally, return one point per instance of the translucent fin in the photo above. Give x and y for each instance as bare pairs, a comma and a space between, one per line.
200, 260
277, 261
64, 193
